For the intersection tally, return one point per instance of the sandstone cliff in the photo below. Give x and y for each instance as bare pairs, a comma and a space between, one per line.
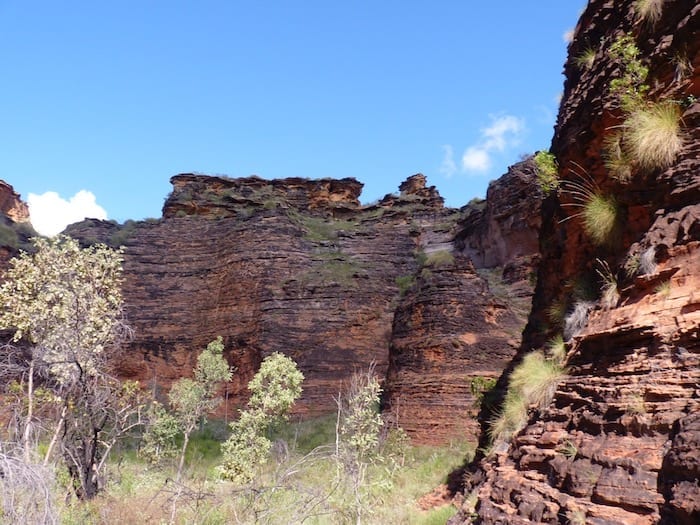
15, 229
290, 265
459, 324
618, 443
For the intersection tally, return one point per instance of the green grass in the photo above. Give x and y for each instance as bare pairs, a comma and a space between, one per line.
586, 59
532, 382
652, 135
439, 259
615, 158
600, 218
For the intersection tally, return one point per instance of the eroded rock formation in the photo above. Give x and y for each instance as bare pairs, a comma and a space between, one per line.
15, 229
619, 441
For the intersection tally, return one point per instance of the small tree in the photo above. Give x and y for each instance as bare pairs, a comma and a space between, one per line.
193, 399
64, 305
274, 389
358, 429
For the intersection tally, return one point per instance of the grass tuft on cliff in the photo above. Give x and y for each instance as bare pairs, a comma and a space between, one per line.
649, 10
586, 59
532, 382
616, 159
653, 135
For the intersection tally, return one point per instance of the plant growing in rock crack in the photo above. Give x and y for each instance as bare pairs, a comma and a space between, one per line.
532, 382
600, 212
609, 294
556, 348
568, 449
652, 135
648, 11
586, 58
439, 259
643, 263
616, 159
663, 288
576, 320
547, 171
636, 405
629, 88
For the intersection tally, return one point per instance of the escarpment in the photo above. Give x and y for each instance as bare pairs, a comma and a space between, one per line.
616, 299
291, 265
15, 229
459, 320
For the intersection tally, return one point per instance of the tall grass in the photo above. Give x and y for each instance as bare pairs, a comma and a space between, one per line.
652, 135
649, 10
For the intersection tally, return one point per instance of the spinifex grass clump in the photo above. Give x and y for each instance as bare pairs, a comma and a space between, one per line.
652, 135
599, 211
616, 159
532, 382
586, 59
649, 10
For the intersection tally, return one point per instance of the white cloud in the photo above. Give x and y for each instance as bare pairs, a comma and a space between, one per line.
568, 36
50, 213
503, 133
476, 158
448, 166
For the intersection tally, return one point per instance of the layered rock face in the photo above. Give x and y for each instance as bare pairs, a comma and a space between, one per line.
618, 443
459, 323
15, 229
291, 265
11, 205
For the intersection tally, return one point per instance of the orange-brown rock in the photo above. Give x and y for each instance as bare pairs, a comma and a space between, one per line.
290, 265
619, 441
11, 205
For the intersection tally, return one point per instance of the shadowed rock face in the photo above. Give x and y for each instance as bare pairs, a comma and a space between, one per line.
619, 441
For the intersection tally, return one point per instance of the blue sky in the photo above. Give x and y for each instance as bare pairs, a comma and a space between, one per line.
113, 98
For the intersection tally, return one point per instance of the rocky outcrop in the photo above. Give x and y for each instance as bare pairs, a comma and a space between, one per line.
451, 339
291, 265
458, 325
15, 229
11, 205
618, 442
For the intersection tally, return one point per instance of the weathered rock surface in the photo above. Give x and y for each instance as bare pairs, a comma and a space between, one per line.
291, 265
11, 205
619, 441
456, 328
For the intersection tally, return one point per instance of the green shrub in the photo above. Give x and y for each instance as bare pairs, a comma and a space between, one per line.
652, 135
405, 283
547, 171
600, 218
8, 236
629, 88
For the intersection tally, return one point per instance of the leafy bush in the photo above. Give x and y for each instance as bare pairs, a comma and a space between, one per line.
405, 283
274, 389
629, 87
653, 136
547, 171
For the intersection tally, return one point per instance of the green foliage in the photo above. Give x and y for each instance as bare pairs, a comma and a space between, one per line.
609, 295
8, 236
439, 259
556, 348
547, 171
274, 389
361, 421
652, 135
568, 449
66, 301
663, 288
600, 212
600, 218
160, 438
629, 87
123, 233
586, 59
438, 516
480, 386
405, 283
